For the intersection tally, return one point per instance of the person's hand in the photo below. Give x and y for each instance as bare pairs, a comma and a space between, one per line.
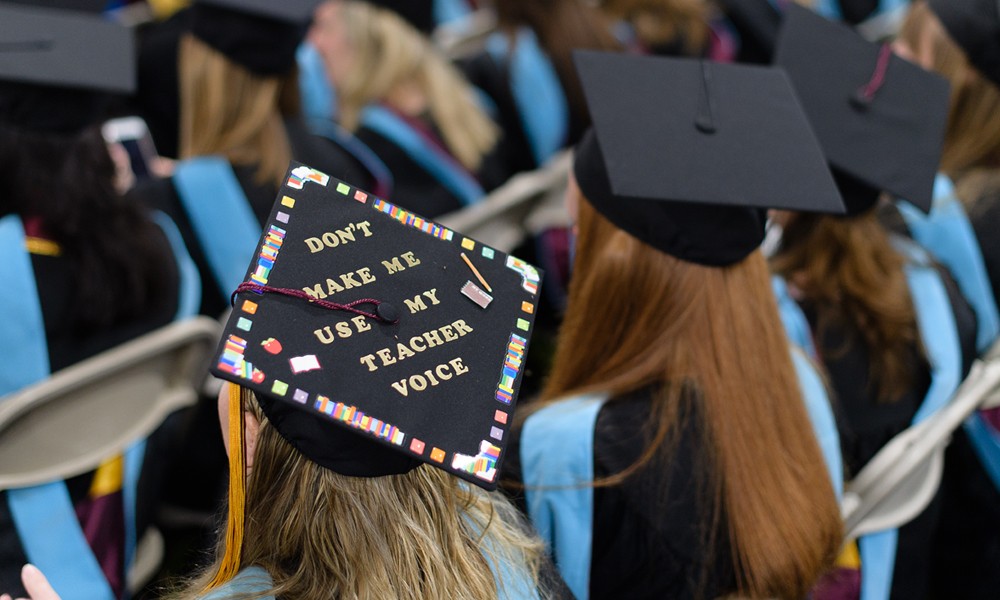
36, 584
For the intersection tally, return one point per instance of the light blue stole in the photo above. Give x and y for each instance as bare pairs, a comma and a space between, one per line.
557, 458
948, 235
939, 335
44, 515
221, 217
429, 157
538, 93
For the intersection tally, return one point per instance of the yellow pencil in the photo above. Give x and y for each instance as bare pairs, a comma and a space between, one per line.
476, 272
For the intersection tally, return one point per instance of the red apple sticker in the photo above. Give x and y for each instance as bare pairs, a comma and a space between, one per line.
258, 376
271, 345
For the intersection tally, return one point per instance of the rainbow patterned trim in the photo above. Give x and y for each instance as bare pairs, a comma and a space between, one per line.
511, 367
349, 415
482, 465
412, 220
268, 254
233, 362
300, 175
529, 274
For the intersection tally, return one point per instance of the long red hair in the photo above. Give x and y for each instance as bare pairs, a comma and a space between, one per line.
639, 318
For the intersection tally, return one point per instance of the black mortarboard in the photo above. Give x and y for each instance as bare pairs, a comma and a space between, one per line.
880, 119
975, 27
350, 388
676, 141
261, 35
57, 67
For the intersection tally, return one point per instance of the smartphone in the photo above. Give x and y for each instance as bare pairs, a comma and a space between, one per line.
133, 135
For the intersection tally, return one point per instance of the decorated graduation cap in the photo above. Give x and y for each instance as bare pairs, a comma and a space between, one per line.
684, 153
975, 26
376, 340
261, 35
880, 119
58, 68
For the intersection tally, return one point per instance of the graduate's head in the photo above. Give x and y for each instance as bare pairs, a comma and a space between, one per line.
374, 56
323, 534
879, 119
961, 41
228, 110
379, 348
671, 293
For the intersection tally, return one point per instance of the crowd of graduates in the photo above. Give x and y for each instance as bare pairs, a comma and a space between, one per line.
777, 251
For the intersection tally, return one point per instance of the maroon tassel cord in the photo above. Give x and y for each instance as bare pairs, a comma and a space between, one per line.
246, 286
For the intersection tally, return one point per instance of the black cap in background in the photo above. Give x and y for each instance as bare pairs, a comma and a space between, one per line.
57, 68
425, 364
880, 119
261, 35
975, 26
685, 153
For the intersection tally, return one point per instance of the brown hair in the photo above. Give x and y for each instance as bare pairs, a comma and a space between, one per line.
663, 21
227, 110
562, 26
677, 326
420, 535
973, 134
848, 268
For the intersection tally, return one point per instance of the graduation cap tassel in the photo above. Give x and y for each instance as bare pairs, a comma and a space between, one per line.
230, 564
865, 94
705, 120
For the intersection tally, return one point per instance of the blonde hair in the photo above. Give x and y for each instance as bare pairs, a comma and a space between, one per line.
424, 534
227, 110
712, 336
389, 52
973, 135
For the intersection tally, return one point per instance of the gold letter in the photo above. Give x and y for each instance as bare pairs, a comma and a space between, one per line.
456, 364
415, 305
386, 357
370, 361
343, 329
410, 260
393, 265
461, 327
449, 333
361, 323
315, 291
325, 335
314, 245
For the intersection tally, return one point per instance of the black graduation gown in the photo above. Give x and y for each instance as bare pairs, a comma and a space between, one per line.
416, 190
865, 426
966, 548
493, 78
647, 539
307, 148
54, 278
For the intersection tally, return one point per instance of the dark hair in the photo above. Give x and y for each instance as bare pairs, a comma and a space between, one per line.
118, 253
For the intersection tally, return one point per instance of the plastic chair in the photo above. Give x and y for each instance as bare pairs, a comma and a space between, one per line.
900, 481
71, 422
503, 218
